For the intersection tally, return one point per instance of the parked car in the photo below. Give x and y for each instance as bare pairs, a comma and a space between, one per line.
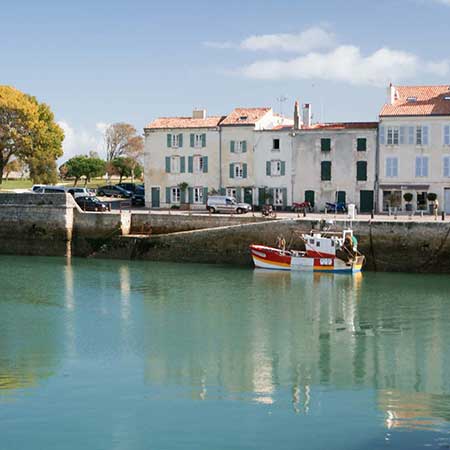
50, 190
89, 203
113, 191
226, 204
132, 187
80, 192
37, 187
138, 197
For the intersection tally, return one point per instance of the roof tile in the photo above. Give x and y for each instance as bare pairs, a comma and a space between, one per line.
184, 122
245, 116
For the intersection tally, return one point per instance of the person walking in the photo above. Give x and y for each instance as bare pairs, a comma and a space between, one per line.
436, 209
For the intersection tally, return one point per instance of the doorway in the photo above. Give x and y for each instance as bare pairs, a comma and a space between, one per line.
155, 197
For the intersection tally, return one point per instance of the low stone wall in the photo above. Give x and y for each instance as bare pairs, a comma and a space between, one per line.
172, 223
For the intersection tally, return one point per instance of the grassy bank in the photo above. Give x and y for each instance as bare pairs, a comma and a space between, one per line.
27, 184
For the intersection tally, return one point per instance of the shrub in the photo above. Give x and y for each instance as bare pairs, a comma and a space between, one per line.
431, 196
408, 197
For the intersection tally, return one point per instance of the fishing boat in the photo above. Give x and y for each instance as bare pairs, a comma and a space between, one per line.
334, 252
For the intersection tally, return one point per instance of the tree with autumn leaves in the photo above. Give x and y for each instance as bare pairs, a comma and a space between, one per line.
29, 133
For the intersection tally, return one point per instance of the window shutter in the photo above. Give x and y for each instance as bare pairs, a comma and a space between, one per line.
169, 140
395, 167
309, 197
381, 136
191, 195
283, 168
244, 146
325, 144
190, 164
447, 135
167, 164
180, 140
418, 166
272, 195
402, 135
222, 191
361, 171
204, 140
167, 194
244, 170
446, 166
192, 140
268, 168
205, 194
424, 166
284, 192
325, 167
232, 146
182, 164
361, 144
411, 135
182, 196
231, 170
425, 135
205, 164
238, 194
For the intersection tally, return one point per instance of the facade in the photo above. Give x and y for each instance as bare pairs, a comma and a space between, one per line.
415, 147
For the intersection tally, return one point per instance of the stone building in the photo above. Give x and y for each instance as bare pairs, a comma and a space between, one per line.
415, 147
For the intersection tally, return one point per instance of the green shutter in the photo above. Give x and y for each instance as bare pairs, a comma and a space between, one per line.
167, 164
284, 192
205, 164
244, 170
182, 196
325, 170
222, 191
283, 168
325, 144
244, 146
361, 171
231, 170
271, 196
180, 140
232, 146
167, 194
268, 168
204, 140
361, 144
192, 139
169, 140
238, 194
182, 164
309, 197
190, 164
191, 195
205, 194
261, 196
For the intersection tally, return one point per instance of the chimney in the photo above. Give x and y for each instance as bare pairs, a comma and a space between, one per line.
296, 116
199, 114
391, 94
307, 115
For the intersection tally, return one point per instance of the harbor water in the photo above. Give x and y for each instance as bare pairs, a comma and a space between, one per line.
140, 355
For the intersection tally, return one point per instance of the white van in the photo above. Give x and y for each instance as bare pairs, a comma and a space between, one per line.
226, 204
49, 190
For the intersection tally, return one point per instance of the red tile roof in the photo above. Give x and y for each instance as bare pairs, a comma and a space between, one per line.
184, 122
429, 101
245, 116
341, 126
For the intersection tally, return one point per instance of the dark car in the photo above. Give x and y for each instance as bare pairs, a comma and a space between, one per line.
91, 204
138, 197
132, 187
113, 191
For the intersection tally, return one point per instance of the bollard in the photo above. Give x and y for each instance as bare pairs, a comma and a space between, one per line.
372, 214
443, 215
304, 212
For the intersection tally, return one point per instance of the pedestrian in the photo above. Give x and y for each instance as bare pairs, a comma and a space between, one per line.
436, 209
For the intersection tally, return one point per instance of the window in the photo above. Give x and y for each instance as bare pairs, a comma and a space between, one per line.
421, 166
198, 164
419, 135
361, 171
391, 167
393, 136
175, 195
240, 146
238, 172
275, 168
175, 164
325, 144
446, 140
446, 166
198, 140
361, 144
278, 196
276, 145
231, 192
325, 170
175, 141
198, 195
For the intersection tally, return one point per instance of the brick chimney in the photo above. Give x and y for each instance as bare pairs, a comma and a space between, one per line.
199, 114
296, 116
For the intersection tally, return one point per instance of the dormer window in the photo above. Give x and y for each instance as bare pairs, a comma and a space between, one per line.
447, 97
411, 99
243, 118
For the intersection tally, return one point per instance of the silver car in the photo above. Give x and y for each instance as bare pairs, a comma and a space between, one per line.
226, 204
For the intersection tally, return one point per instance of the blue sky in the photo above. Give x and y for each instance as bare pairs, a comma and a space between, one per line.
98, 62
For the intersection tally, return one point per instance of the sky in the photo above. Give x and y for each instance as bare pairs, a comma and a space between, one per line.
100, 62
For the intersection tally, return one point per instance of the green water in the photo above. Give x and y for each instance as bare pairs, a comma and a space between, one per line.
136, 355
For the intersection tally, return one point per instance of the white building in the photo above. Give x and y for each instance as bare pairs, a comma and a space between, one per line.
414, 141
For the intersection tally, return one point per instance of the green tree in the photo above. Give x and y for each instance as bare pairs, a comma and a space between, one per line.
82, 166
123, 167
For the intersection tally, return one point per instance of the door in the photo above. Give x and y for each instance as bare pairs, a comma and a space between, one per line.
248, 196
447, 201
340, 197
309, 197
365, 201
155, 197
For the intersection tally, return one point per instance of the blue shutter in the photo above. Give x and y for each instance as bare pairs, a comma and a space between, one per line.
192, 140
402, 135
182, 164
190, 164
167, 194
425, 135
418, 166
447, 135
411, 135
268, 168
167, 164
244, 170
283, 168
446, 166
244, 146
205, 164
381, 135
204, 140
232, 146
231, 170
205, 194
284, 193
191, 195
182, 196
169, 140
180, 140
395, 167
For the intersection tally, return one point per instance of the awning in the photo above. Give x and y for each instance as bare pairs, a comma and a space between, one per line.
405, 187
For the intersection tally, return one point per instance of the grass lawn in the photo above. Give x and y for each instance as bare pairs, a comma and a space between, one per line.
16, 184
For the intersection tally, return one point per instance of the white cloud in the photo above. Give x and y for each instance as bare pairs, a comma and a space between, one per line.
82, 141
443, 2
346, 63
315, 38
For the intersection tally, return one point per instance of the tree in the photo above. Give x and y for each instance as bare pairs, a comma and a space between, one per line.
43, 169
28, 132
123, 167
121, 139
13, 166
82, 166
